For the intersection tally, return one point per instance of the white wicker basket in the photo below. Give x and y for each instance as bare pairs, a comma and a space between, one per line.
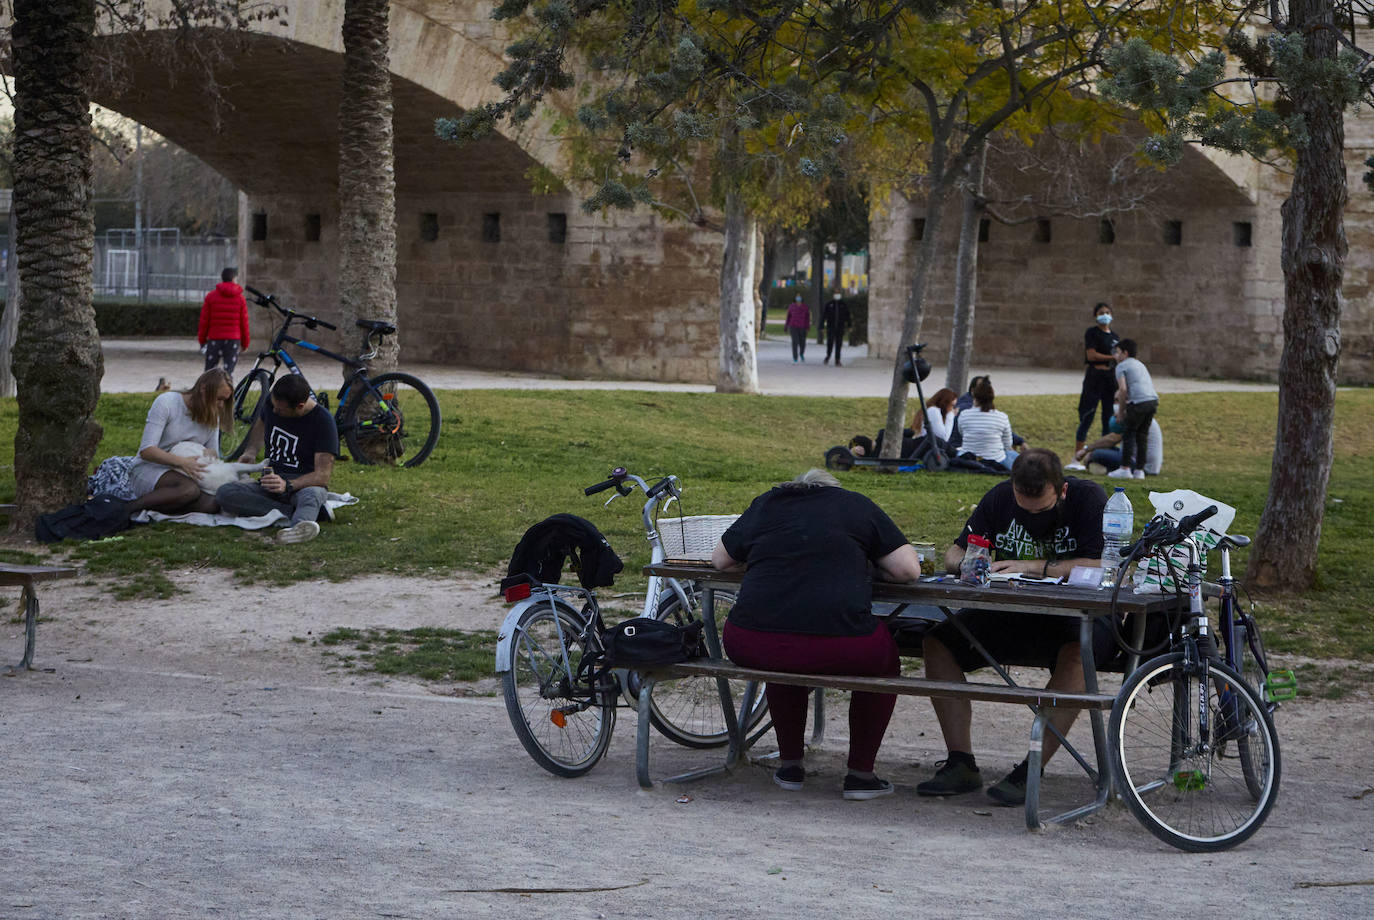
692, 537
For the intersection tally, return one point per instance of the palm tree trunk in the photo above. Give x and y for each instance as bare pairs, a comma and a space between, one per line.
1284, 555
9, 323
738, 367
57, 360
367, 177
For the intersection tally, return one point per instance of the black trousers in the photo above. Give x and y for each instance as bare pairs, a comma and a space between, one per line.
1099, 386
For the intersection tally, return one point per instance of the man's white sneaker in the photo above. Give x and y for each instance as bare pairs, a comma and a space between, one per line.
1120, 473
1138, 474
303, 532
1074, 465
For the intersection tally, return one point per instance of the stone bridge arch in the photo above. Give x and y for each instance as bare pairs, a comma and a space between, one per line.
489, 272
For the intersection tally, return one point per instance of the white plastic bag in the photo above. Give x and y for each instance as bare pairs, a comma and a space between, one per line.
1176, 505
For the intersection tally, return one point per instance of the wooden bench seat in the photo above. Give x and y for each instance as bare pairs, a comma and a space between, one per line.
906, 686
27, 578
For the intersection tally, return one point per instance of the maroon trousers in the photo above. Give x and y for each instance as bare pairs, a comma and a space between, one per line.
869, 713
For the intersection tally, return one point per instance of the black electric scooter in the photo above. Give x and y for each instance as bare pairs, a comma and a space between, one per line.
914, 369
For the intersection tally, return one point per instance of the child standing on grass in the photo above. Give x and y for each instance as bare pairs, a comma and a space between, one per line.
1137, 403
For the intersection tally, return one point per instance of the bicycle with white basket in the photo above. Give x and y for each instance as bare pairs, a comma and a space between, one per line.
560, 702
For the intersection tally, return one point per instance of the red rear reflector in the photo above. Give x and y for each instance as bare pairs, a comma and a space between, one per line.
517, 593
557, 718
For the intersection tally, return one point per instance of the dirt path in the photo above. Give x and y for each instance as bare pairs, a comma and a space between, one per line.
186, 758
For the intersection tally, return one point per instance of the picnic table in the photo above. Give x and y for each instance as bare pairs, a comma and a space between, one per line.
894, 600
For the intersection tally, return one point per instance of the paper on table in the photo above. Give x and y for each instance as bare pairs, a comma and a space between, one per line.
1021, 576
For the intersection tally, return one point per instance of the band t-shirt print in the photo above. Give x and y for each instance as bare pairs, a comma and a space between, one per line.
293, 442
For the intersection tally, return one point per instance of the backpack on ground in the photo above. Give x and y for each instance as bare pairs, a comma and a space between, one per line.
102, 516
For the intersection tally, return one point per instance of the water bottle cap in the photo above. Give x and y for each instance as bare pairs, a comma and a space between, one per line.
1121, 488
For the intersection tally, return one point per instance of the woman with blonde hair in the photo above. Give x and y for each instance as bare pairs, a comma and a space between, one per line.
164, 481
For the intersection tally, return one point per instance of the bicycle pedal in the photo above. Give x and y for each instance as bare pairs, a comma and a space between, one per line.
1190, 780
1280, 686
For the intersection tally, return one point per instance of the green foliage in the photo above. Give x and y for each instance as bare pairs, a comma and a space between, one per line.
514, 457
427, 652
125, 317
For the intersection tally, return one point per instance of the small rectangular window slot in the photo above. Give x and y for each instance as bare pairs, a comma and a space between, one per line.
1042, 230
259, 226
1240, 233
558, 228
491, 227
429, 226
1106, 232
1173, 233
312, 228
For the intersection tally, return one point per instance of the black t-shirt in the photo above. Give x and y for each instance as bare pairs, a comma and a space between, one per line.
1100, 340
808, 552
293, 442
1072, 530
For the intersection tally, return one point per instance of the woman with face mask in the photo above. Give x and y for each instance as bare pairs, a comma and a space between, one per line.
1099, 377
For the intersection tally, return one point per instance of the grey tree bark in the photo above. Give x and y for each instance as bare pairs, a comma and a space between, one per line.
367, 178
966, 274
9, 322
817, 299
1284, 554
57, 360
737, 370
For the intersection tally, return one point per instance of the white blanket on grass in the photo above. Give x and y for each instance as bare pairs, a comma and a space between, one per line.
335, 501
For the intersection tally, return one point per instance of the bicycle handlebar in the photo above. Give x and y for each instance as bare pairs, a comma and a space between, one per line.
1160, 533
270, 300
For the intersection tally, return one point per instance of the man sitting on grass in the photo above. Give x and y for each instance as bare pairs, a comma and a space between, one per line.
301, 444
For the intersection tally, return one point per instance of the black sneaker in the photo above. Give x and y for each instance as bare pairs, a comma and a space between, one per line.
1011, 790
954, 777
790, 778
858, 788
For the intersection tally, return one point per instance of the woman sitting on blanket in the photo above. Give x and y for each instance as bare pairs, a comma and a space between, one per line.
939, 414
163, 481
805, 606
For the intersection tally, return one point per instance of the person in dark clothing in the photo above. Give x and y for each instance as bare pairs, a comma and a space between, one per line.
224, 323
1099, 377
301, 443
805, 606
835, 319
1039, 523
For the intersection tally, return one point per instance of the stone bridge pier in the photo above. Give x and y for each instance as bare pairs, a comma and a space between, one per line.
490, 271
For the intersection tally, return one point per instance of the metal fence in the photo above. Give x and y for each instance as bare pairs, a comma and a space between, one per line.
165, 267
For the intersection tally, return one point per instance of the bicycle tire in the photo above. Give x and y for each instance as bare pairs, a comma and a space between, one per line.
401, 433
1176, 783
687, 710
250, 396
538, 688
1255, 673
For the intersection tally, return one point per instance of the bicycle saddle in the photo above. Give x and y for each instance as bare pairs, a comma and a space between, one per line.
377, 326
1236, 541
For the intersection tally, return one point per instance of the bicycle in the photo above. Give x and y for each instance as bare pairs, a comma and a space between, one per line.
390, 418
1193, 745
561, 704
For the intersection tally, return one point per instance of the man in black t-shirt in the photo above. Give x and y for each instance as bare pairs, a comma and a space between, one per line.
1099, 375
301, 442
1039, 523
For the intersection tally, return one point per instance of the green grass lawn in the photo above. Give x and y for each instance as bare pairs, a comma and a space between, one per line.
510, 458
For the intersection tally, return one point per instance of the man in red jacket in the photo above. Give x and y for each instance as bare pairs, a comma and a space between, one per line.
224, 322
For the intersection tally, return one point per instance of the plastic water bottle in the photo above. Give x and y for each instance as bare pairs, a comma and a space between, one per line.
977, 564
1118, 521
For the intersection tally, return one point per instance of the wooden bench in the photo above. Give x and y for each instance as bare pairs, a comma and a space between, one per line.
1044, 702
27, 577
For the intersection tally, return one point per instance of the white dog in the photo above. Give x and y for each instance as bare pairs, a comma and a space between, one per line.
217, 472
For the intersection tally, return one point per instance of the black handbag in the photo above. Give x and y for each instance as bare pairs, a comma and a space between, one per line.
643, 641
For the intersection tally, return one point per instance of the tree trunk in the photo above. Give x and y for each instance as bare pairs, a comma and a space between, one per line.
1284, 555
966, 275
817, 299
770, 263
367, 178
915, 308
57, 360
9, 323
738, 367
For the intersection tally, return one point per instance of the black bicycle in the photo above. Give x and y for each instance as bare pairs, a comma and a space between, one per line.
392, 418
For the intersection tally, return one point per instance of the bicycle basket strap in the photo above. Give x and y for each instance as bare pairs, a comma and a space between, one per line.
643, 641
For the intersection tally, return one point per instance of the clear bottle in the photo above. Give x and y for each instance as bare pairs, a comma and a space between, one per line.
977, 564
1118, 522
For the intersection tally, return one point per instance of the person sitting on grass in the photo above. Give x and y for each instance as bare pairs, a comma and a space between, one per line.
805, 606
301, 445
1104, 455
1039, 523
166, 482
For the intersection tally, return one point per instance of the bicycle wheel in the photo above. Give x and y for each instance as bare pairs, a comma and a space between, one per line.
1254, 672
393, 420
687, 710
1169, 767
564, 727
250, 395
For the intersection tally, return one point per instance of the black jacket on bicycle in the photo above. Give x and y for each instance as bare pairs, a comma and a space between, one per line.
543, 549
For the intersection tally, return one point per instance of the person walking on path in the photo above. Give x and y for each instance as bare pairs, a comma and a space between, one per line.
1137, 403
1099, 384
835, 320
797, 323
224, 323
